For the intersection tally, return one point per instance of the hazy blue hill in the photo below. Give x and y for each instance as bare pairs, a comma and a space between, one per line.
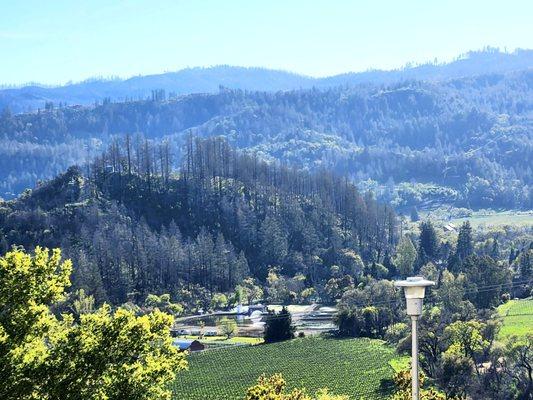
489, 61
208, 80
187, 81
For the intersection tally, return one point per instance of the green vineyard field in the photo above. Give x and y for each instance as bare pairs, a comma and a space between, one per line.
355, 367
517, 318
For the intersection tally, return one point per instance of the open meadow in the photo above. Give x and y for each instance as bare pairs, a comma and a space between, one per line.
494, 219
355, 367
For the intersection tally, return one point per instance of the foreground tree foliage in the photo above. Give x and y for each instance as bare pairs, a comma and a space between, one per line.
273, 388
402, 380
518, 365
106, 355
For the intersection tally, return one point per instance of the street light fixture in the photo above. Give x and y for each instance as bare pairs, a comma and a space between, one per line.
414, 289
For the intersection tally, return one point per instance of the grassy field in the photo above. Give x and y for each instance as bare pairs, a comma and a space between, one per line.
349, 366
513, 218
516, 320
222, 339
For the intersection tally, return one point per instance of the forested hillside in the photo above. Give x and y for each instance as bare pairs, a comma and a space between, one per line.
466, 142
132, 226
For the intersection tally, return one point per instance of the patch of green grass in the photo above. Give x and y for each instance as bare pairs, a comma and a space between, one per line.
503, 218
517, 318
400, 363
355, 367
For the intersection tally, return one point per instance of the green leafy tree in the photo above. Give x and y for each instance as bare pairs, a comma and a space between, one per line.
227, 327
335, 287
163, 303
485, 272
402, 380
367, 321
104, 355
351, 262
519, 365
273, 388
523, 265
27, 286
278, 290
455, 375
219, 301
467, 339
405, 256
249, 291
397, 332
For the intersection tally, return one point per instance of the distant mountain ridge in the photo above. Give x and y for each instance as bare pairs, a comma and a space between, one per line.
209, 80
465, 141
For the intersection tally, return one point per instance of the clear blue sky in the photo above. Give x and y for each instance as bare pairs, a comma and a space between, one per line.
57, 41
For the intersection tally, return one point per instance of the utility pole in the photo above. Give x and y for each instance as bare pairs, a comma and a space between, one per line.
414, 290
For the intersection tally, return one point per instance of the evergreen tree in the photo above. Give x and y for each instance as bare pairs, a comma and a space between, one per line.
427, 243
3, 244
495, 251
525, 265
465, 247
278, 327
274, 246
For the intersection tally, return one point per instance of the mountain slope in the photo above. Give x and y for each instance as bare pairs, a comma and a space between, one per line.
467, 142
192, 80
208, 80
134, 226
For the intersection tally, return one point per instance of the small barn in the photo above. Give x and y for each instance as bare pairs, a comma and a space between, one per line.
190, 345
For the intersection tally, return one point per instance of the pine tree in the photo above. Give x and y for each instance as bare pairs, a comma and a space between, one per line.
495, 251
465, 248
274, 245
427, 243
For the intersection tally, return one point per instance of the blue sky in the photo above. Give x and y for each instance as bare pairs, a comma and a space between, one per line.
58, 41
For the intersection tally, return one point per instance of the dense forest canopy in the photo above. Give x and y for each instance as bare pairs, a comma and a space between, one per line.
466, 142
133, 226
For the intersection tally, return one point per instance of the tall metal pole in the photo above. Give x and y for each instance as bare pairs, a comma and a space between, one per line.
414, 290
414, 357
